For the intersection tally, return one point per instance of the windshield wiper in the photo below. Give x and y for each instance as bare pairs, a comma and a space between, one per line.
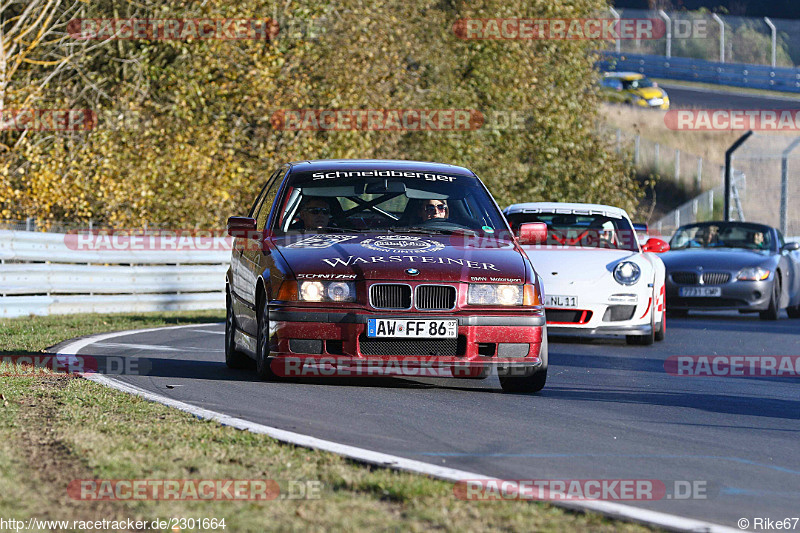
435, 231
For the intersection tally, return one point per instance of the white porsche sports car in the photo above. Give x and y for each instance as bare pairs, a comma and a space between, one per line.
597, 278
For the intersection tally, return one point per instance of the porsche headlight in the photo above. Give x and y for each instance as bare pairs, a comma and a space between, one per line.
627, 273
328, 291
753, 274
485, 294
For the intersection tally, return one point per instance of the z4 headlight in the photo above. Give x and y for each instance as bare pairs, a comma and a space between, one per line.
627, 273
327, 291
753, 274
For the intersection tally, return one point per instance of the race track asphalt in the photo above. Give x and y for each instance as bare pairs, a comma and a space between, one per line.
684, 97
609, 411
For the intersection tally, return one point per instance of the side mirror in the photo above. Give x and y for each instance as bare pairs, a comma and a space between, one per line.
791, 247
656, 246
532, 233
241, 226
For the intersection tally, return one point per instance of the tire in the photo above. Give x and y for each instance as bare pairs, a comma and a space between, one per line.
774, 310
533, 381
644, 340
794, 311
234, 359
678, 313
661, 332
263, 367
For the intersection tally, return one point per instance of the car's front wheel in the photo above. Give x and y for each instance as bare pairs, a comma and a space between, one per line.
794, 311
644, 340
773, 311
532, 380
661, 332
233, 358
263, 367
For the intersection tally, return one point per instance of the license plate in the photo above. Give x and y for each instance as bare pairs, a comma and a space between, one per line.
410, 328
689, 292
552, 300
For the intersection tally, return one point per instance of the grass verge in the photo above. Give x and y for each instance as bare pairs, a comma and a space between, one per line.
55, 429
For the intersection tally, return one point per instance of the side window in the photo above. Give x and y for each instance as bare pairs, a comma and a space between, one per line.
268, 198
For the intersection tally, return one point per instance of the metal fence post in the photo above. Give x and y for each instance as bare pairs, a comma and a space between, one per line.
774, 40
619, 140
615, 14
729, 172
711, 203
656, 150
677, 164
698, 181
721, 37
636, 142
666, 18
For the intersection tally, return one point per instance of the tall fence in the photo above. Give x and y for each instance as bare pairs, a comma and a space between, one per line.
55, 273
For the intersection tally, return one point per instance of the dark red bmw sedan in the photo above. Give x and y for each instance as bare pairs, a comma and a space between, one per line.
375, 267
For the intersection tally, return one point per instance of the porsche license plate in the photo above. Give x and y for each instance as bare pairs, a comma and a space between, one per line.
410, 328
693, 292
552, 300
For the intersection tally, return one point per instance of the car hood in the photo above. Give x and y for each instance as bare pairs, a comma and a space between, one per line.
575, 263
711, 258
649, 92
382, 256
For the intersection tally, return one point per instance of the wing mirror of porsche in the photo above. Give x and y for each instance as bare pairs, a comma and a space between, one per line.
791, 247
242, 227
532, 233
656, 246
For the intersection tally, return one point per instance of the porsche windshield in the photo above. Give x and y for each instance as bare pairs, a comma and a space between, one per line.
582, 230
444, 204
723, 235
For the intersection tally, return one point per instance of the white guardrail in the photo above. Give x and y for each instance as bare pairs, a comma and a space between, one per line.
55, 273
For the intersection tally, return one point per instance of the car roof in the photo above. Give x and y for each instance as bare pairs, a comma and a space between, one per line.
378, 164
566, 208
750, 225
625, 75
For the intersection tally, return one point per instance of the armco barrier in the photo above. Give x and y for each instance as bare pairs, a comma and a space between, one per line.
686, 69
41, 275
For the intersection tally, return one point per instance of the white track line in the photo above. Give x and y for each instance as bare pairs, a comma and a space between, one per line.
615, 510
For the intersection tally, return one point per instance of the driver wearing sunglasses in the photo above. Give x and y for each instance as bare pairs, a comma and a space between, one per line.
433, 209
315, 213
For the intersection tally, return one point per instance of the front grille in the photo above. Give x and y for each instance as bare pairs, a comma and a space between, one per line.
685, 278
709, 303
436, 297
421, 347
716, 278
566, 316
390, 296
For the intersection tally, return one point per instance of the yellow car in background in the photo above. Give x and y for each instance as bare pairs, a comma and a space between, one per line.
633, 88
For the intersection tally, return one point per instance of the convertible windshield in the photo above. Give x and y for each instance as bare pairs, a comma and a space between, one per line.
387, 201
589, 230
723, 235
637, 84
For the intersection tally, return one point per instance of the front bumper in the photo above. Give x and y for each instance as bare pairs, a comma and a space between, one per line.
338, 338
741, 295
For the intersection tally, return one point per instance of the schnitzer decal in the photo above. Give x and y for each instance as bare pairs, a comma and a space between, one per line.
318, 242
326, 276
402, 244
352, 260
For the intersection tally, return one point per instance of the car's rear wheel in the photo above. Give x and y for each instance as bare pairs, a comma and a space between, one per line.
532, 380
233, 358
773, 311
263, 367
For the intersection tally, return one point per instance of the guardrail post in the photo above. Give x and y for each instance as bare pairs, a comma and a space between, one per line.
721, 37
677, 164
729, 172
774, 40
666, 18
615, 14
677, 218
785, 184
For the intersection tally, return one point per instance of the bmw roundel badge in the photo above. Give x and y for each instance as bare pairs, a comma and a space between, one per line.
412, 271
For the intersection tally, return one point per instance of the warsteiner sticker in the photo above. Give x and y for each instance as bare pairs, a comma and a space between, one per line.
353, 260
403, 244
319, 242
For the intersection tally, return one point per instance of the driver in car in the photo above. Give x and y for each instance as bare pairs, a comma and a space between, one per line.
434, 209
314, 213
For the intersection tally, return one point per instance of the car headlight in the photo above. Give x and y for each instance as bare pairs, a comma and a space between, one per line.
627, 273
485, 294
327, 291
753, 274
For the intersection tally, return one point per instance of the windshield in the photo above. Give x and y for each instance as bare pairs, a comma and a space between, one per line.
750, 236
403, 201
582, 230
637, 84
